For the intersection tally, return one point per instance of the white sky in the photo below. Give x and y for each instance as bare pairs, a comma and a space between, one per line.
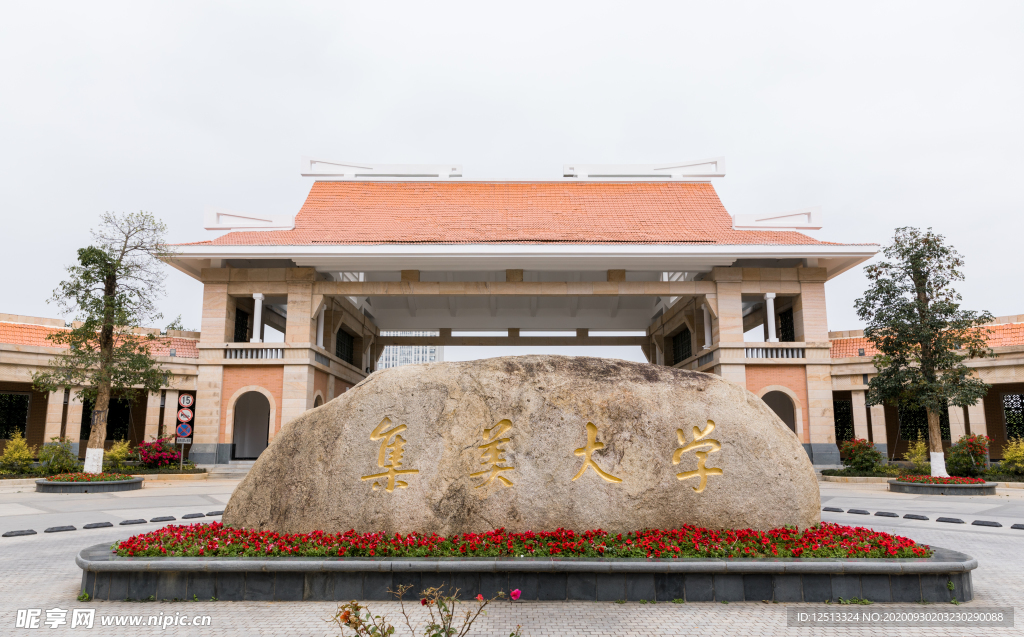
885, 114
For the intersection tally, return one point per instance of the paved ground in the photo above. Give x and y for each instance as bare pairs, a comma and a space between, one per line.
39, 571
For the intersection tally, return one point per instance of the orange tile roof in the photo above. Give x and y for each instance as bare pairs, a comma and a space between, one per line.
1003, 335
520, 212
35, 335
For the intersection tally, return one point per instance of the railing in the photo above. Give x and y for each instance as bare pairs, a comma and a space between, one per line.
774, 352
254, 352
320, 358
705, 359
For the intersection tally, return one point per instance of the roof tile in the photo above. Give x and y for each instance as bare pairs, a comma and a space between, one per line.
520, 212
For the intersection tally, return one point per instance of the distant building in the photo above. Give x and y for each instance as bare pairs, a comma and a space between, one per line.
398, 355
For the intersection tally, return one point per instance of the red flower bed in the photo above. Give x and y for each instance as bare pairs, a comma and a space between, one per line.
940, 480
88, 477
824, 540
159, 453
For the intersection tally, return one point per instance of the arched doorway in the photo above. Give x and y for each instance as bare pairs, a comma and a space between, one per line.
251, 426
782, 405
318, 401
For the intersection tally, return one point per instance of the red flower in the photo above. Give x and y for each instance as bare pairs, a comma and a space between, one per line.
515, 595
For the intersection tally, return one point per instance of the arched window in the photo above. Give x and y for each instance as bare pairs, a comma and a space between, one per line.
317, 402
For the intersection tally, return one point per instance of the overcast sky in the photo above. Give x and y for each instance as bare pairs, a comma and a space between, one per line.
885, 114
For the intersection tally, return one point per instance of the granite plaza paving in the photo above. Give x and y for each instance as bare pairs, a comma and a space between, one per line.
40, 572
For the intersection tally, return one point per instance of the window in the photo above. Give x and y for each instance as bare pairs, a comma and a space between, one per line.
13, 414
241, 326
914, 423
843, 411
344, 347
681, 346
786, 332
1013, 413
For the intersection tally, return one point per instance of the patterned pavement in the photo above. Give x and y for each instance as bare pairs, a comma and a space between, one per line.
39, 572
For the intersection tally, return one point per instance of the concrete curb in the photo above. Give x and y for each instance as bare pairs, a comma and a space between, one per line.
171, 476
881, 480
45, 486
988, 488
106, 576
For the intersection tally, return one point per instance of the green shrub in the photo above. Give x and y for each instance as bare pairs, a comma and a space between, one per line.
117, 455
968, 456
57, 457
918, 454
1013, 457
17, 455
861, 455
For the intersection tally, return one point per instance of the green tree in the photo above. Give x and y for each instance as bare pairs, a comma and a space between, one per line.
110, 292
923, 337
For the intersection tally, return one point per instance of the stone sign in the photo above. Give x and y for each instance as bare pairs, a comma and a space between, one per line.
531, 443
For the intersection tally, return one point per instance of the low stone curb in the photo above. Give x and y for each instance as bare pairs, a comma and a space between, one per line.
171, 476
988, 488
45, 486
107, 576
882, 479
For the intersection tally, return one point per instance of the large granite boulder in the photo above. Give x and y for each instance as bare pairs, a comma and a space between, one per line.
531, 443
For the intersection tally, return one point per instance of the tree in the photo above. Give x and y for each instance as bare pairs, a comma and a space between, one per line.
923, 337
110, 292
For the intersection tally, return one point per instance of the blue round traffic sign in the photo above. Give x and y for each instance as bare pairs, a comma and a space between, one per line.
184, 430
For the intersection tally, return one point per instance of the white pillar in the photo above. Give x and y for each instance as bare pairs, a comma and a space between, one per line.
320, 325
152, 416
976, 417
257, 319
170, 412
707, 325
860, 415
769, 300
957, 430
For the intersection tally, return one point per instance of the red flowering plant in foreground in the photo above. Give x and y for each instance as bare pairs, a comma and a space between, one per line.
824, 540
941, 480
159, 453
88, 477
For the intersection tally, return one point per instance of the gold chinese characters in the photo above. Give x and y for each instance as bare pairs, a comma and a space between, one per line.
699, 440
390, 456
491, 455
592, 446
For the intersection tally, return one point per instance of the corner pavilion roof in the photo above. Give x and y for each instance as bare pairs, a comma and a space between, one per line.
460, 212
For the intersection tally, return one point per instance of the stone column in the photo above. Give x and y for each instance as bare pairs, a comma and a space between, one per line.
257, 318
54, 415
73, 428
976, 416
170, 412
320, 325
957, 425
821, 423
707, 325
769, 306
296, 395
878, 429
152, 416
860, 415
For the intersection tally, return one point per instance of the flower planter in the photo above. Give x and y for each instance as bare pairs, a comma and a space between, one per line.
46, 486
984, 488
107, 576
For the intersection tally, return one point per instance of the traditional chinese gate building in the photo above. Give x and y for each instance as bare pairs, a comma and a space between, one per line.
606, 255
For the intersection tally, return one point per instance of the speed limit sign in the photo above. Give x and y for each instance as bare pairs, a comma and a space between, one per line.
184, 414
186, 400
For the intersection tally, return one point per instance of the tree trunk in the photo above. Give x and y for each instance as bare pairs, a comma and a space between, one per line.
938, 459
98, 433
